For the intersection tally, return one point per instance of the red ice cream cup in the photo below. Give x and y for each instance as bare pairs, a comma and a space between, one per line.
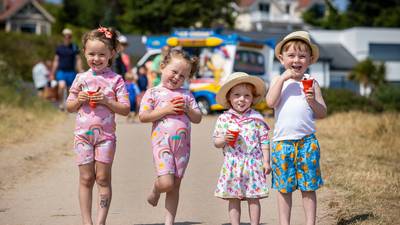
92, 104
307, 84
179, 99
235, 137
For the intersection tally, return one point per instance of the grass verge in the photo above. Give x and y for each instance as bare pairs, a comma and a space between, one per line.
19, 124
360, 156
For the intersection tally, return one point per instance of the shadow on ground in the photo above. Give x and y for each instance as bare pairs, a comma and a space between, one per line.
356, 218
178, 223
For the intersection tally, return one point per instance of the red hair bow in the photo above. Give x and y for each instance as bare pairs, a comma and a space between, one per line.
106, 32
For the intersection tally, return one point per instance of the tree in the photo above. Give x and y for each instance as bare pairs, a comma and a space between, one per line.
368, 74
367, 13
90, 13
159, 16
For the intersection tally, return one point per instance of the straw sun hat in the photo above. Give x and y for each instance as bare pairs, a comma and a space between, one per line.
238, 78
298, 35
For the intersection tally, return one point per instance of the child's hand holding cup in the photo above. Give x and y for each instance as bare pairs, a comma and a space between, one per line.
92, 103
233, 129
179, 100
307, 84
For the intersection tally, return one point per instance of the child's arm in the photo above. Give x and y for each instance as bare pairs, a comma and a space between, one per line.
275, 89
267, 166
220, 142
316, 101
75, 104
193, 114
158, 113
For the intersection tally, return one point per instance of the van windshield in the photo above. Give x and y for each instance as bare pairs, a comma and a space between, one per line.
249, 62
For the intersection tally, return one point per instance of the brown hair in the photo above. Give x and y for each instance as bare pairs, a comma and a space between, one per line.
248, 86
106, 35
176, 53
297, 45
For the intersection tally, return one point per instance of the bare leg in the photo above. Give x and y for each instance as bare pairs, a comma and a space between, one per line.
234, 211
86, 182
171, 202
310, 206
62, 90
162, 184
254, 211
103, 180
285, 207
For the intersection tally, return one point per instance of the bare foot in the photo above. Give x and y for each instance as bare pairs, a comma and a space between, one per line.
153, 198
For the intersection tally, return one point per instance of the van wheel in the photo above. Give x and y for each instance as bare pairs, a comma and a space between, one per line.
204, 106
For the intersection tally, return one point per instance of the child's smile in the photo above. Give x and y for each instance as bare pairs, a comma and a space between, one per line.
97, 55
240, 98
175, 73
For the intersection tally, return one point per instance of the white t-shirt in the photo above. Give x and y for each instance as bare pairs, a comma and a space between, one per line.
40, 75
294, 118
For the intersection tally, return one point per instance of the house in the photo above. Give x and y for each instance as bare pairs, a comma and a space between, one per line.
378, 44
25, 16
261, 15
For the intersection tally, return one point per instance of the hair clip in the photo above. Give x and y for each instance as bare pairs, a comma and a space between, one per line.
106, 32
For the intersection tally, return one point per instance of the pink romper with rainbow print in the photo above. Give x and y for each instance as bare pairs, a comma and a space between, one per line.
95, 127
170, 136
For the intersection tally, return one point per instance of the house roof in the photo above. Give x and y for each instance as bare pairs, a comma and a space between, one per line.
245, 3
17, 5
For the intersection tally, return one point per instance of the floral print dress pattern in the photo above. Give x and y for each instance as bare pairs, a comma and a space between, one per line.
242, 174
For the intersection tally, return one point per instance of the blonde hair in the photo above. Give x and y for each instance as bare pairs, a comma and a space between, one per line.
297, 45
176, 53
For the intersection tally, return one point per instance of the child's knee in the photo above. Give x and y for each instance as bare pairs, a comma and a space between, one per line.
87, 179
103, 180
165, 185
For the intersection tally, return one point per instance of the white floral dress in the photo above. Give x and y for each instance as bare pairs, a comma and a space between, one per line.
242, 174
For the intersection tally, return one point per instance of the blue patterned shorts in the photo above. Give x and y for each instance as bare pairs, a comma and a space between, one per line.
295, 165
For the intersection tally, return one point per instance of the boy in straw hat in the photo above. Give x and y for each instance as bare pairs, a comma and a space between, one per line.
295, 149
243, 135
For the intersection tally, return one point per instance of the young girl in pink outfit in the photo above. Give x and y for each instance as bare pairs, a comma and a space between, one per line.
243, 135
171, 109
96, 95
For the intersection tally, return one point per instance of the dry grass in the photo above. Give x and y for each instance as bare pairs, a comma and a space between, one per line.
20, 124
360, 162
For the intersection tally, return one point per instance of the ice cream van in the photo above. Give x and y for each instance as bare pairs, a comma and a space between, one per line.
219, 55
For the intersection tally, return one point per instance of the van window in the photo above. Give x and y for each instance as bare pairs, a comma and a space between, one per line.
249, 62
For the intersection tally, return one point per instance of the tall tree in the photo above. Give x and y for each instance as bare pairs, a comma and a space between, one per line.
368, 13
159, 16
368, 74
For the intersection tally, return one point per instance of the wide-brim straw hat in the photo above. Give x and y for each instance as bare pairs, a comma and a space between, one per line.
238, 78
298, 35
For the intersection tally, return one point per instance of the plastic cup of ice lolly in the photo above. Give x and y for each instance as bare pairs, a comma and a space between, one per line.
233, 129
92, 104
178, 99
307, 84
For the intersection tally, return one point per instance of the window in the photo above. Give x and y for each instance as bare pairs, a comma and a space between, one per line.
263, 7
249, 62
384, 52
341, 82
287, 9
28, 28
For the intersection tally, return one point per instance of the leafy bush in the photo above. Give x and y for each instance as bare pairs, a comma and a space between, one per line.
341, 100
388, 96
20, 51
13, 93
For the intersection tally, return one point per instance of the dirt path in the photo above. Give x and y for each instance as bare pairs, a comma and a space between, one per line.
39, 182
